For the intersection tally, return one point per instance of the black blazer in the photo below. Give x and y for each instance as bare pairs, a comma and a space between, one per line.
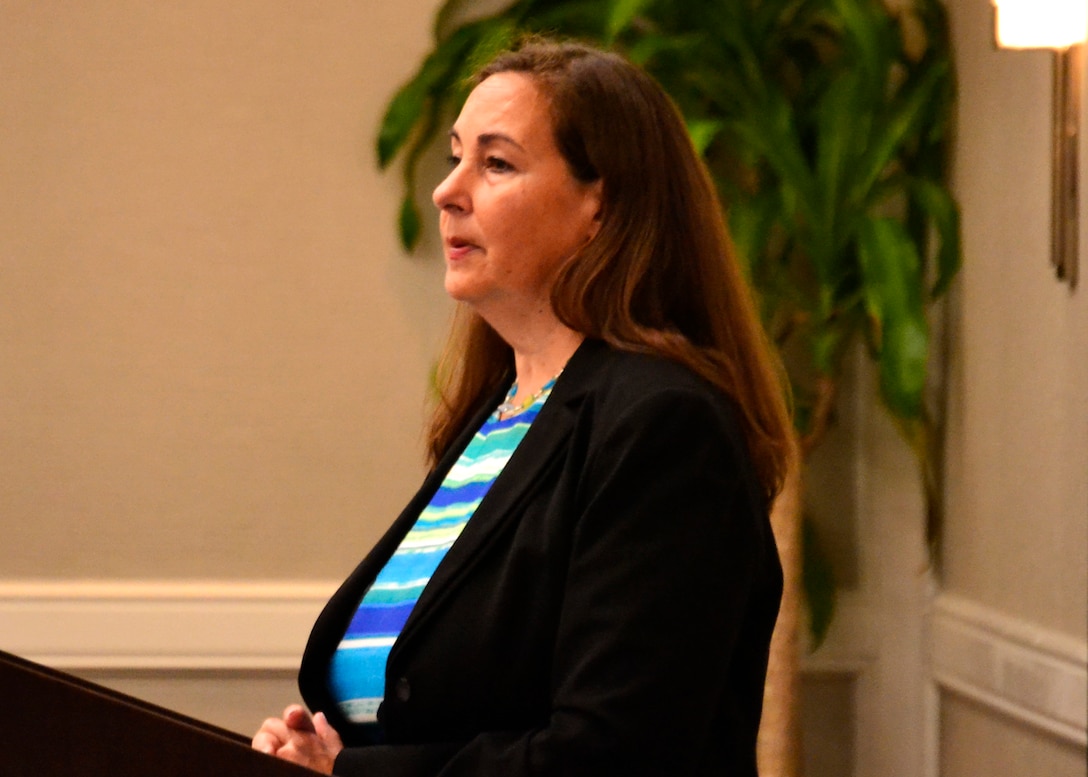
606, 611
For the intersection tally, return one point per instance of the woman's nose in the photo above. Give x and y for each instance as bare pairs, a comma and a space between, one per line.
451, 193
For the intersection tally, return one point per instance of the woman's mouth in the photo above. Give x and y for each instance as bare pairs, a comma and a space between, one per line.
458, 248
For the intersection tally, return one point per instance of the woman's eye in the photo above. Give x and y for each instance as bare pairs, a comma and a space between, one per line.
498, 164
453, 160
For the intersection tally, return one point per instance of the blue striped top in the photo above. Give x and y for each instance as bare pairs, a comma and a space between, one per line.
357, 669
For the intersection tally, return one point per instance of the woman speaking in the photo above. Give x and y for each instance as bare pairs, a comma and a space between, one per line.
586, 582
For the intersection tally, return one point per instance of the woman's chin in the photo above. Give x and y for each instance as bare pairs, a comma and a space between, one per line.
459, 287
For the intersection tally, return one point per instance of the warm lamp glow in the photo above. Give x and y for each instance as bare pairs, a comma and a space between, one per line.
1041, 24
1060, 25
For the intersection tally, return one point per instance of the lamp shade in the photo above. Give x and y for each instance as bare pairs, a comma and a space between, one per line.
1041, 24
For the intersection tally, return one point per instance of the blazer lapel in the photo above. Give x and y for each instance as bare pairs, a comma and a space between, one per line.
337, 613
542, 444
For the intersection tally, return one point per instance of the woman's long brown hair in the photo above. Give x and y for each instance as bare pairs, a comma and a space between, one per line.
659, 277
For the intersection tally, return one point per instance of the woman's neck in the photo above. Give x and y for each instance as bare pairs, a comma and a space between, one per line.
538, 360
542, 343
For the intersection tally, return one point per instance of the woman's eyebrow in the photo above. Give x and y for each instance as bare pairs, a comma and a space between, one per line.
489, 138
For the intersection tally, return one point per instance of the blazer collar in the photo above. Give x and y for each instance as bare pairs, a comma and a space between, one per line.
500, 506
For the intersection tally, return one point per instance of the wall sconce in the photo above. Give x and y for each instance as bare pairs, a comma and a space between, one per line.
1061, 25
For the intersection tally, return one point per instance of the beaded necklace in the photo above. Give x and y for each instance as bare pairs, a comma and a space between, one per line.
508, 408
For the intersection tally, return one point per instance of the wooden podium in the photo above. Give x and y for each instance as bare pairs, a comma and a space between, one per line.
52, 723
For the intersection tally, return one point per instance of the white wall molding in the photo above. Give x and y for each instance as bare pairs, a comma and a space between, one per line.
159, 624
154, 624
1035, 675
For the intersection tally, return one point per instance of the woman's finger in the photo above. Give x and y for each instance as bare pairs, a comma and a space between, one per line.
265, 743
327, 734
296, 718
271, 736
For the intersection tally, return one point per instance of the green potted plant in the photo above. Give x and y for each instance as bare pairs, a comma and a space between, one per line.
825, 124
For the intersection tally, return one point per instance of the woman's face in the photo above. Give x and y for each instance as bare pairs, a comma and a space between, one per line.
511, 211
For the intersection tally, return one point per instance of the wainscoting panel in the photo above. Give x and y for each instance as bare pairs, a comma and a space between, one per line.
1033, 675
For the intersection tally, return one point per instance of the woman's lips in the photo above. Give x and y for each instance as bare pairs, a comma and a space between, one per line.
456, 248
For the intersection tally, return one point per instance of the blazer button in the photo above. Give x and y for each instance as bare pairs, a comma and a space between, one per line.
402, 689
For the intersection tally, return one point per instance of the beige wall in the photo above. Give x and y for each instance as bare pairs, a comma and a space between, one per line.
976, 743
213, 354
1017, 494
1018, 476
1018, 438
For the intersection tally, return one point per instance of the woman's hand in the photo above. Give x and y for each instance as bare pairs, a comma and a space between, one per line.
296, 737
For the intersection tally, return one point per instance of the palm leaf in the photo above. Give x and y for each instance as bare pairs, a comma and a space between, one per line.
620, 15
941, 209
893, 286
429, 84
906, 117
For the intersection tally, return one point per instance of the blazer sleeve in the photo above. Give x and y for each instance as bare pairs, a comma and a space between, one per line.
671, 591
